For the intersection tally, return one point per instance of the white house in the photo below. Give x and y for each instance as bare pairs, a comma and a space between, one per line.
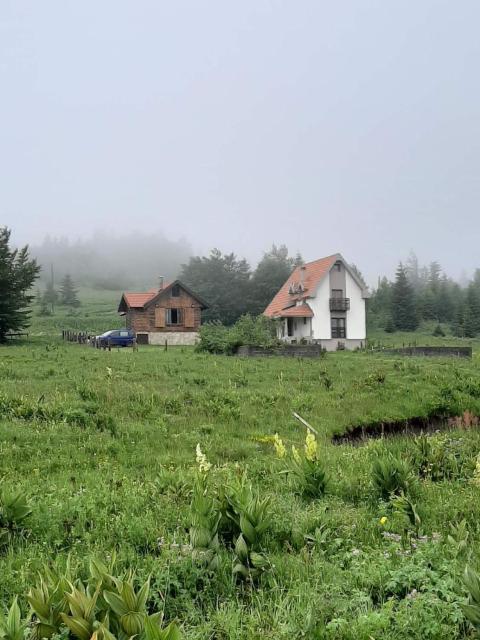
324, 302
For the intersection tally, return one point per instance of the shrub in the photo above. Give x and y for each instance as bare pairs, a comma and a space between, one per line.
252, 518
441, 457
308, 471
11, 626
471, 608
248, 330
102, 607
390, 476
438, 331
204, 528
390, 326
14, 510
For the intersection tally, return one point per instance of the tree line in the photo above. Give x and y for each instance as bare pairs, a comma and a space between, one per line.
426, 293
231, 287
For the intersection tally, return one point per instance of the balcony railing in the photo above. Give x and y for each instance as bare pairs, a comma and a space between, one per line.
339, 304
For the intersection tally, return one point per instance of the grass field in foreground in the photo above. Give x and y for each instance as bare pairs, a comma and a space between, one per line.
103, 444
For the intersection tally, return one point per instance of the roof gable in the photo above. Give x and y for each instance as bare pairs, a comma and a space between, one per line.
169, 286
303, 283
142, 300
310, 274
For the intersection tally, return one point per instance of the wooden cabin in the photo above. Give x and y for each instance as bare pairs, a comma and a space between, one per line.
171, 313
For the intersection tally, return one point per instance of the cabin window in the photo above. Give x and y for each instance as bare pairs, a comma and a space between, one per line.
174, 316
176, 291
338, 328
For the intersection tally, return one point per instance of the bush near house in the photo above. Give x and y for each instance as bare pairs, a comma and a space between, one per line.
256, 331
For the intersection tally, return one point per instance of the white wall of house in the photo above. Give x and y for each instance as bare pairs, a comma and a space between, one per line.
301, 329
320, 306
356, 317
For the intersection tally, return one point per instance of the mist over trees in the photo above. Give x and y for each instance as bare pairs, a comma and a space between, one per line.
425, 293
107, 261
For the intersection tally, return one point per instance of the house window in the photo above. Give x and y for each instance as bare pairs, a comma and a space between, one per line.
174, 316
304, 321
338, 328
176, 291
337, 293
337, 266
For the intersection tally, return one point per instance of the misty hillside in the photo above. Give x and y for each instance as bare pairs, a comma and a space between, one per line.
108, 262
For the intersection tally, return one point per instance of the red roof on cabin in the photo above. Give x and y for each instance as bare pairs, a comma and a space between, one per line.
138, 300
298, 311
313, 273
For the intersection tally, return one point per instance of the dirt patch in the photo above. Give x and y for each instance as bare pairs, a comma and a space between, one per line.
410, 427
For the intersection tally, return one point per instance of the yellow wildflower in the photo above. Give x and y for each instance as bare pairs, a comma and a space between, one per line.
279, 446
295, 454
310, 447
203, 464
383, 520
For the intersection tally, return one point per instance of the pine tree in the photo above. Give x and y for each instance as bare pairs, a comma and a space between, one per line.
472, 311
221, 279
50, 296
458, 324
68, 292
17, 275
403, 308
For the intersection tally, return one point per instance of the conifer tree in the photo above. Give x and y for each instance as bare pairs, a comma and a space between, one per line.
17, 275
472, 311
68, 292
50, 296
403, 309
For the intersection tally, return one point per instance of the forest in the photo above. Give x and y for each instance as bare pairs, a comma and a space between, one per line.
417, 293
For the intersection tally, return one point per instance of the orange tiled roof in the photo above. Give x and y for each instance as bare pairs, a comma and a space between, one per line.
298, 311
313, 273
137, 300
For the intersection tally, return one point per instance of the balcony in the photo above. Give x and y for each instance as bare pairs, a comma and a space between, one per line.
339, 304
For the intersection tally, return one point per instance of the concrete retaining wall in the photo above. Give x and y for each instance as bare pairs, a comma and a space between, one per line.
294, 350
173, 338
458, 352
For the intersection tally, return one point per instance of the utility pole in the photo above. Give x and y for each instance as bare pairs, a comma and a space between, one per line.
53, 289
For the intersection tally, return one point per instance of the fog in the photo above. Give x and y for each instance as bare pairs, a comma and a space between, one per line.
350, 127
109, 261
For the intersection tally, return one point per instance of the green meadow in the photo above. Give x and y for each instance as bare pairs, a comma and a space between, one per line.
368, 539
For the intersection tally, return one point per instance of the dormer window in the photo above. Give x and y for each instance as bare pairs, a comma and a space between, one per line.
295, 288
176, 291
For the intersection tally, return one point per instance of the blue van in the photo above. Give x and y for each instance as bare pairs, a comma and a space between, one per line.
116, 338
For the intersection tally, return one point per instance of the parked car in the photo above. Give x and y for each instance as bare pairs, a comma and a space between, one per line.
115, 338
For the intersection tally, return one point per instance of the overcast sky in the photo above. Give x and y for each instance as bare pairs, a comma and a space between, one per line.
348, 126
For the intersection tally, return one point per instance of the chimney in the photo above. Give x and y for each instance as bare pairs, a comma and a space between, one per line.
302, 275
160, 283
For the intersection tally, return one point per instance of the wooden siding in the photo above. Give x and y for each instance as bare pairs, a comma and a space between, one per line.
153, 317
